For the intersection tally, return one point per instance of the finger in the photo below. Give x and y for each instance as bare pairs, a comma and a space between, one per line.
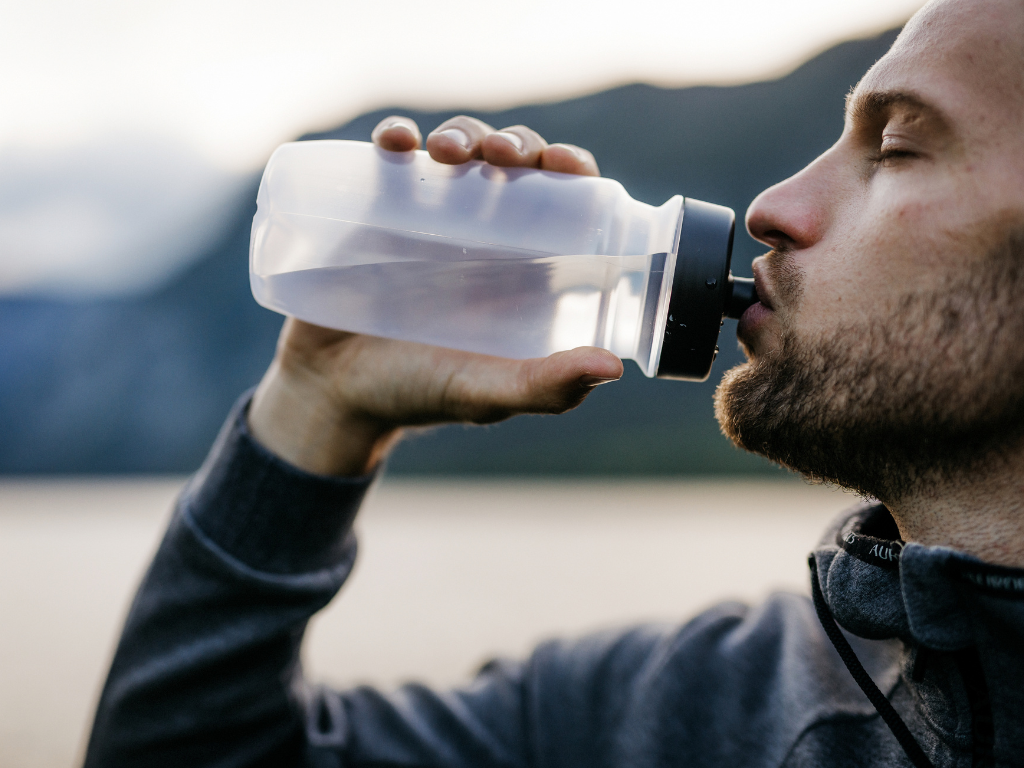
514, 147
457, 140
568, 158
489, 390
397, 134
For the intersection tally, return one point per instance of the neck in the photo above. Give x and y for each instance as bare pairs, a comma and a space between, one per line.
981, 514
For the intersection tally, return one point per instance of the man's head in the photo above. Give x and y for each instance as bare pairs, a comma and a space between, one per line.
888, 350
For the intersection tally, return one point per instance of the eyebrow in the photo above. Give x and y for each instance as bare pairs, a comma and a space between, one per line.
866, 107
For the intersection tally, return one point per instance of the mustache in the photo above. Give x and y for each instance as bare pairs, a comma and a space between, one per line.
785, 278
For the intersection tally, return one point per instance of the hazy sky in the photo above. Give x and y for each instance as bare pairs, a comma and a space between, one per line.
232, 78
128, 127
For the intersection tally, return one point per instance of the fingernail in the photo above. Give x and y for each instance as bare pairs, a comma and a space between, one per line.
512, 139
574, 151
457, 135
593, 381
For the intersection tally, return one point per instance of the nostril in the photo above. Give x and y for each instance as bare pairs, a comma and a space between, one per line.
776, 238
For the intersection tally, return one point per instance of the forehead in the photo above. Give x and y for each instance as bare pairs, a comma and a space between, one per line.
963, 57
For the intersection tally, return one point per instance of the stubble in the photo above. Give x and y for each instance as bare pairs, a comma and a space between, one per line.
924, 394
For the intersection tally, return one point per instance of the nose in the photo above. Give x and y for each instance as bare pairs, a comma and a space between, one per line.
792, 214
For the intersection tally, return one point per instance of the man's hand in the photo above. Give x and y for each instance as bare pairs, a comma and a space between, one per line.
333, 403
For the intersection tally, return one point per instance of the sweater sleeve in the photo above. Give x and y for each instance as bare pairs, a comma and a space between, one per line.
207, 670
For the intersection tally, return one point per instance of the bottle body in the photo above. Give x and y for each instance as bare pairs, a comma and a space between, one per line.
512, 262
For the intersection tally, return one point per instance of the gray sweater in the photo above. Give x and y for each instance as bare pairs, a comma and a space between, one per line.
207, 671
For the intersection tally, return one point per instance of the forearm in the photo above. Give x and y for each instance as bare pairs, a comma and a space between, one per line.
207, 672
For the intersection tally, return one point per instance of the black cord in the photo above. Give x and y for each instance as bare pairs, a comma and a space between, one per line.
982, 726
863, 679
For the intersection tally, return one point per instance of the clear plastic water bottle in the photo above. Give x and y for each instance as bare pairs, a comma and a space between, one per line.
504, 261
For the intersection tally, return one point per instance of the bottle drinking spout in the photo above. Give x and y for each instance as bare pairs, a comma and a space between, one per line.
744, 295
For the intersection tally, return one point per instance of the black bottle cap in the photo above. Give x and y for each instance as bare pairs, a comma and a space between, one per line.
701, 292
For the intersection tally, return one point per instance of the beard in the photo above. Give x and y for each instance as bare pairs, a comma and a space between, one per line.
929, 393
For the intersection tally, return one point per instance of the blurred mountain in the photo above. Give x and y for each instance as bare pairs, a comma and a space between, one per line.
142, 384
111, 216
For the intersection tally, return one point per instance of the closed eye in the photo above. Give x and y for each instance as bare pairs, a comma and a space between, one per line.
888, 157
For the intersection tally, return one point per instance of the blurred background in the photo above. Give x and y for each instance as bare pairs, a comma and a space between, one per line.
132, 137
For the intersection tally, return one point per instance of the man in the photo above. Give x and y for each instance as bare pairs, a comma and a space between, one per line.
885, 355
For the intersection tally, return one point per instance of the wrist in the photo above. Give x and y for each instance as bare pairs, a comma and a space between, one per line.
294, 417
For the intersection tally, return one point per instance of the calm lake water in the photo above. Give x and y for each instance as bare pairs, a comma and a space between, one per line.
450, 573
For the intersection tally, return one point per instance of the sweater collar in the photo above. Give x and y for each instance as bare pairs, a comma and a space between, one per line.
880, 587
961, 621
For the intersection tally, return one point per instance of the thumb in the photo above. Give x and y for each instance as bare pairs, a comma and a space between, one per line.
553, 384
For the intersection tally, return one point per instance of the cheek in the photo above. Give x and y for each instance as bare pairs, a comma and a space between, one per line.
868, 264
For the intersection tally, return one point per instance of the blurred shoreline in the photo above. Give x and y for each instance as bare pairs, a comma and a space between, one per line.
450, 572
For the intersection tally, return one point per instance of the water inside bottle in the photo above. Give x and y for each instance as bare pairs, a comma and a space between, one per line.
478, 297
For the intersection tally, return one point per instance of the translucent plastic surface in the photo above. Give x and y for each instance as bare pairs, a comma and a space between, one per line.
511, 262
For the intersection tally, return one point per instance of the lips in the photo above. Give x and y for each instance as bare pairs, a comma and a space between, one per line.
761, 311
762, 287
